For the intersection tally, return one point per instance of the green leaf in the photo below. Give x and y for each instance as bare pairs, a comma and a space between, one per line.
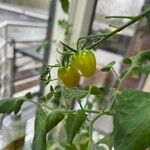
65, 5
63, 23
108, 140
18, 105
84, 144
49, 95
127, 60
73, 124
108, 67
42, 46
43, 98
94, 90
9, 105
28, 95
40, 130
74, 93
46, 75
82, 139
137, 62
132, 121
53, 119
68, 47
51, 89
141, 57
43, 124
145, 68
136, 71
56, 97
71, 147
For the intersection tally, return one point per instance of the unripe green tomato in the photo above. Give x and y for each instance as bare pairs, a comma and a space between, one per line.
85, 62
69, 76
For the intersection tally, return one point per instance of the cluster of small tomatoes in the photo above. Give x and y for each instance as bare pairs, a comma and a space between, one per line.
83, 63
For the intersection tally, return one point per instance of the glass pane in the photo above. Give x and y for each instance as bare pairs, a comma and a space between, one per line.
23, 27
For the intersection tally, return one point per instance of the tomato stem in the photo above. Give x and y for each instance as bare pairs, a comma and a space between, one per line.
54, 66
82, 109
63, 60
135, 19
88, 37
36, 103
88, 96
120, 17
115, 73
90, 145
68, 47
66, 111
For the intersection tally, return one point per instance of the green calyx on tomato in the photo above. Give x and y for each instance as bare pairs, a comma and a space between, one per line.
85, 62
69, 76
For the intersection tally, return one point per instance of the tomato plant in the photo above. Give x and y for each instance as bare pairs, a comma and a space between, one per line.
69, 76
129, 108
85, 62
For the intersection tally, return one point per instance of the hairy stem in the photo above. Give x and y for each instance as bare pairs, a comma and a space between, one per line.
118, 88
82, 109
135, 19
90, 36
115, 73
85, 110
120, 17
36, 103
123, 78
90, 145
67, 111
88, 95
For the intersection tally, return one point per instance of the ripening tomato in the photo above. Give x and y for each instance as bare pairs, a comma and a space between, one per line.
85, 62
69, 76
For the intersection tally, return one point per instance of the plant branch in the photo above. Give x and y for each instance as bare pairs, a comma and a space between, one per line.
52, 66
36, 103
123, 78
120, 17
118, 88
90, 145
88, 95
90, 36
64, 53
135, 19
82, 109
115, 73
85, 110
97, 116
68, 47
91, 123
